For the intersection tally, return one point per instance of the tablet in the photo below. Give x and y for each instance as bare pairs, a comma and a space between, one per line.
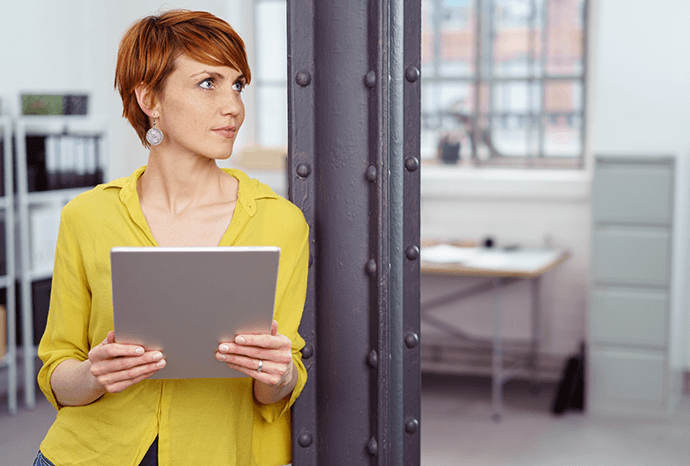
185, 301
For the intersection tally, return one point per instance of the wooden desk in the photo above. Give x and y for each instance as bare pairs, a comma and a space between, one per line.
500, 267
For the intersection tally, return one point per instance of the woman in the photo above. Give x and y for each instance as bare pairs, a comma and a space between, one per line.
180, 76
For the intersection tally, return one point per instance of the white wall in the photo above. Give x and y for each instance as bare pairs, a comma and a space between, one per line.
638, 102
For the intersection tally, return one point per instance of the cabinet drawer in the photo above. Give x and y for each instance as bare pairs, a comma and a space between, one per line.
629, 317
631, 256
621, 380
632, 193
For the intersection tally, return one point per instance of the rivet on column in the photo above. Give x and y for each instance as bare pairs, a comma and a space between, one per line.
370, 79
412, 73
411, 340
307, 351
373, 359
303, 78
411, 425
412, 252
373, 447
371, 267
304, 439
412, 164
371, 173
303, 169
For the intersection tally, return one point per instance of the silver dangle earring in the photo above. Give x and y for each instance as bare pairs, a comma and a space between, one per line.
154, 136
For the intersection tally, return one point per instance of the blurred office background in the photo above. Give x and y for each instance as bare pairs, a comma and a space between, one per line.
519, 97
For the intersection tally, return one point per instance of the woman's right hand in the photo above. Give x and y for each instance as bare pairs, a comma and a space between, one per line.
119, 366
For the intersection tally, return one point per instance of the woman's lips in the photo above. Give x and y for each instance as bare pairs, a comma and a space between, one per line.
226, 131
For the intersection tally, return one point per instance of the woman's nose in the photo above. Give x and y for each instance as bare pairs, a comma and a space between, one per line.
232, 104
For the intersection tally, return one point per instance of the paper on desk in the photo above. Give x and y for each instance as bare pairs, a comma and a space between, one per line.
489, 259
523, 260
447, 254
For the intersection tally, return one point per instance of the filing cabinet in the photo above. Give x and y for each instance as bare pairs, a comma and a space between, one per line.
638, 283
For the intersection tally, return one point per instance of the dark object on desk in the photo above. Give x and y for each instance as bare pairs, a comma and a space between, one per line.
571, 390
449, 150
488, 242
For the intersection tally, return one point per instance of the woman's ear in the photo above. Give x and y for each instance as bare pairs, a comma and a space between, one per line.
146, 100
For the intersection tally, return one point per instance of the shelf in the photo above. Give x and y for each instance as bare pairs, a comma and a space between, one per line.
40, 274
57, 196
59, 124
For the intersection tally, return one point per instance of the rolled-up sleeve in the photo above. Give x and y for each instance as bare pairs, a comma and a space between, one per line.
66, 334
290, 298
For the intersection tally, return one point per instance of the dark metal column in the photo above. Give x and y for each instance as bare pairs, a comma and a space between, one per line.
353, 161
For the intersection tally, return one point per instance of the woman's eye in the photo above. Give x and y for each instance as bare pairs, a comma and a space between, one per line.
206, 83
238, 86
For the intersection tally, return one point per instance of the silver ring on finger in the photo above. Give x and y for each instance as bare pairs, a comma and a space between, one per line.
261, 366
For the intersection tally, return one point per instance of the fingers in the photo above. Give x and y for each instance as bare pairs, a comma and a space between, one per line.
279, 352
271, 373
118, 364
111, 337
261, 340
274, 328
117, 380
114, 350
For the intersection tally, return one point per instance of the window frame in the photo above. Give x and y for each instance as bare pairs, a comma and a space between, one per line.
483, 55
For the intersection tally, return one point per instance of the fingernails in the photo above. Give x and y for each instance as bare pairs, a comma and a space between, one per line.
160, 364
224, 348
157, 356
239, 340
139, 350
221, 357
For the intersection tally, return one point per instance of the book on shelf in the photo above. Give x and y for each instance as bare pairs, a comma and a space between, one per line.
44, 223
40, 300
62, 161
3, 331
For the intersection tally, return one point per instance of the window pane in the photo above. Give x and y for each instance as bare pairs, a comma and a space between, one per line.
565, 37
562, 96
428, 39
272, 115
516, 97
271, 41
517, 38
456, 20
563, 136
515, 135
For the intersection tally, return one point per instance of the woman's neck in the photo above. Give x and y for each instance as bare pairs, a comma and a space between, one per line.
175, 184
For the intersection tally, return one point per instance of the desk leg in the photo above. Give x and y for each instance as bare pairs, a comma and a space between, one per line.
536, 331
497, 355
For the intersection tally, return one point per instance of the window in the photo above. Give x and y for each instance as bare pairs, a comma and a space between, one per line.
270, 72
503, 82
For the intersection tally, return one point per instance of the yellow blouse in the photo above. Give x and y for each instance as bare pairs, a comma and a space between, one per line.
197, 421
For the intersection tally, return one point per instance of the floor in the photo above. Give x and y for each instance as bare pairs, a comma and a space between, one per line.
457, 430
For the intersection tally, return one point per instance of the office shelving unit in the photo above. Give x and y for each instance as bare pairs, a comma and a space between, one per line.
9, 360
51, 200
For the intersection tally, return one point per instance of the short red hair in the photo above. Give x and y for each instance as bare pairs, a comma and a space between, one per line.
149, 48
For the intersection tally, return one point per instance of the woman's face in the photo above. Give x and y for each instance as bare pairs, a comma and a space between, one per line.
201, 109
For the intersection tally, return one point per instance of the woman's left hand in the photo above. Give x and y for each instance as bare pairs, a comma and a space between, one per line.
266, 358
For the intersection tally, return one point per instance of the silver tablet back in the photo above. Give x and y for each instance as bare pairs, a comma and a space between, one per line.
185, 301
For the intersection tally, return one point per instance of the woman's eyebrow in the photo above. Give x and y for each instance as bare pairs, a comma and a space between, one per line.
211, 73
